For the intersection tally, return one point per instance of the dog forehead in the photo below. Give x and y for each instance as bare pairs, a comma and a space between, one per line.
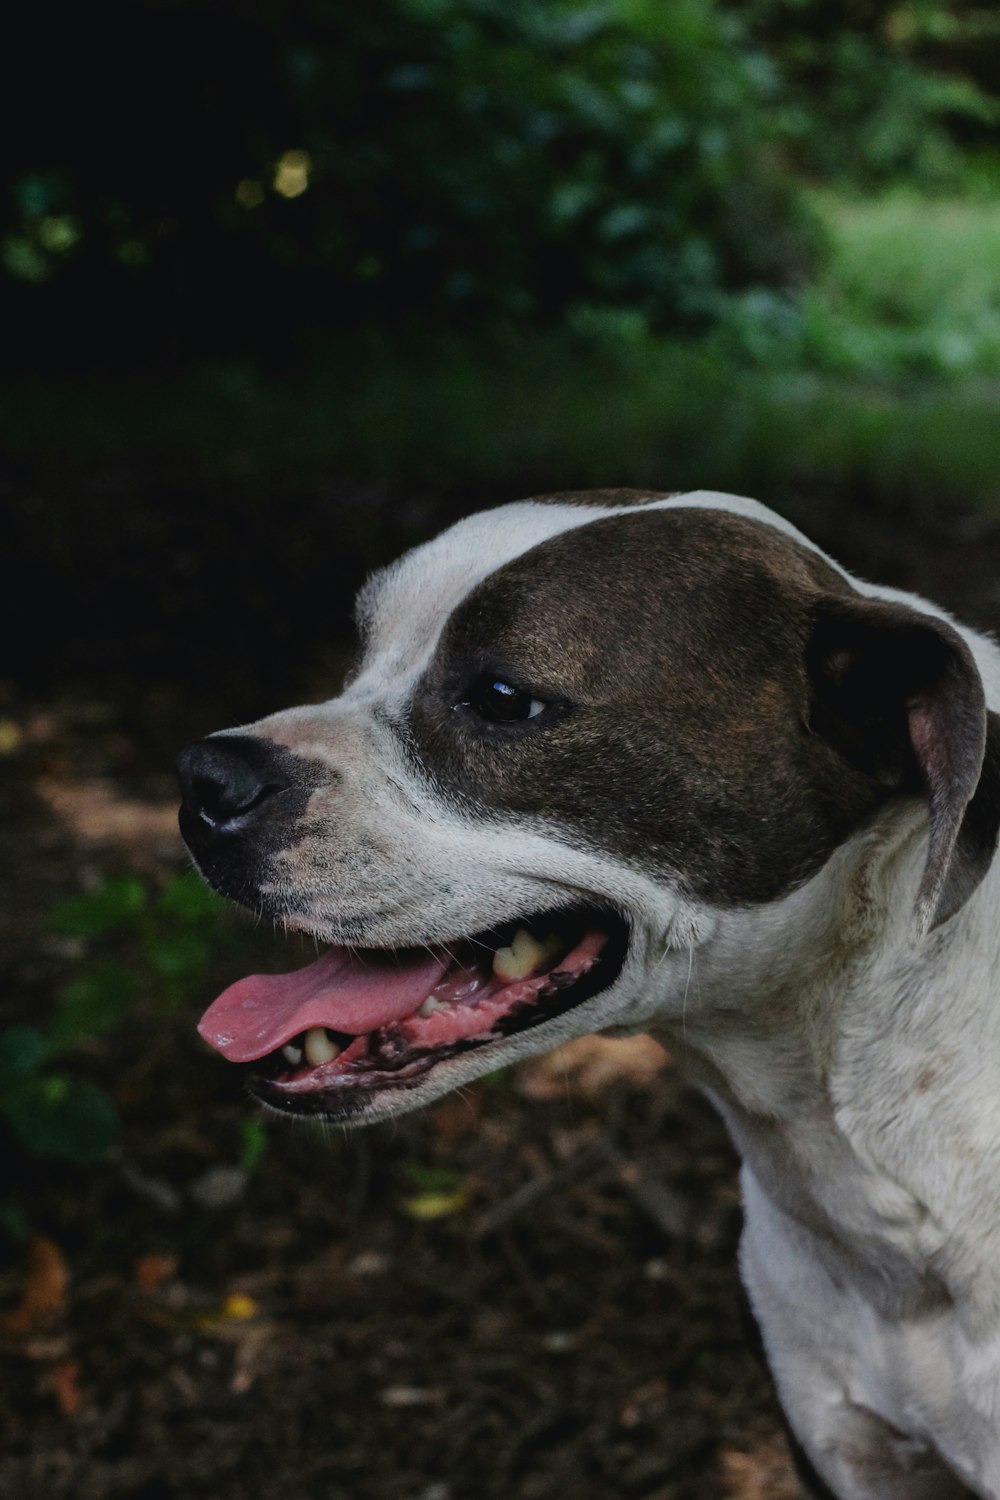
402, 610
658, 591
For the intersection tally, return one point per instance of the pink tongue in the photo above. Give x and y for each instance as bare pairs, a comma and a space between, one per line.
344, 990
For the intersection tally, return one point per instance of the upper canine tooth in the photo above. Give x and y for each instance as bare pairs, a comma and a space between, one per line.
320, 1047
525, 954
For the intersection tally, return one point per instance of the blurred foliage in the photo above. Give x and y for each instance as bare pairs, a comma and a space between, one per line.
48, 1106
200, 177
239, 512
909, 292
882, 90
382, 265
911, 289
256, 177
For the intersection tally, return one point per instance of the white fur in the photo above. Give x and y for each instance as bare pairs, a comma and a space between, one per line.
859, 1073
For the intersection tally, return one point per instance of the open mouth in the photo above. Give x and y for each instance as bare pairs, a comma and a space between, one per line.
328, 1038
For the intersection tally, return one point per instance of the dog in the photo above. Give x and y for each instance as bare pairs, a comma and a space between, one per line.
617, 761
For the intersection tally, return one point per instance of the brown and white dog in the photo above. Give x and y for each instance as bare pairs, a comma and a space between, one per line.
619, 761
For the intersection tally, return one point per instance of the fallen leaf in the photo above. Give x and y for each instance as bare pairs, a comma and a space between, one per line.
764, 1474
412, 1395
434, 1205
46, 1347
96, 811
590, 1065
220, 1187
649, 1403
369, 1263
151, 1271
63, 1380
254, 1353
46, 1289
238, 1307
11, 736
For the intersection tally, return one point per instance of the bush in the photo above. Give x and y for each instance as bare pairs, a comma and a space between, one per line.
258, 176
48, 1107
882, 89
912, 289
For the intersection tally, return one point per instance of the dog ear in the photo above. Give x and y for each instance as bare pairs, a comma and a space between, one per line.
899, 695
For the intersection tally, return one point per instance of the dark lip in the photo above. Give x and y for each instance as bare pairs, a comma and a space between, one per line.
358, 1099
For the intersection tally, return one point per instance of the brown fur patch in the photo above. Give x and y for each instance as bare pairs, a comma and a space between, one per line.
672, 644
673, 648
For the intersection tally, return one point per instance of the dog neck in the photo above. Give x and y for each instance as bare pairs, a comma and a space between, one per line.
830, 1049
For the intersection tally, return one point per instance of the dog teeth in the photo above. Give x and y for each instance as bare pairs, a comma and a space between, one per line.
292, 1054
525, 954
430, 1005
320, 1047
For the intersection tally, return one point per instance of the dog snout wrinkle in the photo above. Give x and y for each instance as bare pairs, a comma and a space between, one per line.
228, 777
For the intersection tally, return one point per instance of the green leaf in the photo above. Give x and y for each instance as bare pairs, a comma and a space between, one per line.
431, 1179
56, 1115
501, 1080
23, 260
115, 905
177, 955
189, 900
36, 194
23, 1050
254, 1135
13, 1221
95, 1001
434, 1205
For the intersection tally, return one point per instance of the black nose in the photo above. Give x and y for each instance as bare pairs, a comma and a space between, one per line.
228, 777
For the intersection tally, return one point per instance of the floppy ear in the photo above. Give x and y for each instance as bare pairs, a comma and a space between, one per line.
899, 695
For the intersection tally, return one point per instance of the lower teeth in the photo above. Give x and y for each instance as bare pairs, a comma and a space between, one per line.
320, 1047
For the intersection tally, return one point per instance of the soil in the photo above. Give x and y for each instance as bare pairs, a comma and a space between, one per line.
527, 1291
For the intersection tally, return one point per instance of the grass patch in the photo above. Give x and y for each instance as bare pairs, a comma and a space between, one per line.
885, 375
911, 287
546, 418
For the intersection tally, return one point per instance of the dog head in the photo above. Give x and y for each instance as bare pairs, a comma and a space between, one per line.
582, 735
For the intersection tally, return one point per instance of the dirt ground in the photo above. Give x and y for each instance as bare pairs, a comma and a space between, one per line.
529, 1291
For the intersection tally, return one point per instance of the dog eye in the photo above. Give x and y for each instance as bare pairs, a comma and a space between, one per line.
500, 702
